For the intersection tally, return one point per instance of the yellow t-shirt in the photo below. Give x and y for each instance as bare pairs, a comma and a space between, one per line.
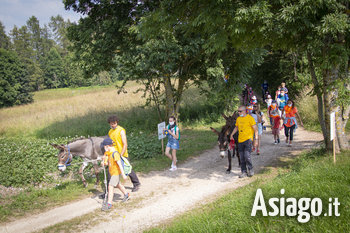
113, 166
245, 128
114, 134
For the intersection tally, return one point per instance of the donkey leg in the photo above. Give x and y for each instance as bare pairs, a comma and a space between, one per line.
229, 162
81, 173
97, 171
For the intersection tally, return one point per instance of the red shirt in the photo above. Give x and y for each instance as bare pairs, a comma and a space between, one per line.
276, 122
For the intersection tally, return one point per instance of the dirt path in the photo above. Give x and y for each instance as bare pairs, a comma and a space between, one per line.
166, 194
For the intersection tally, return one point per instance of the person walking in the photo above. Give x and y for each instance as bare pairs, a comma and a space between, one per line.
260, 124
246, 126
282, 100
173, 133
118, 135
289, 121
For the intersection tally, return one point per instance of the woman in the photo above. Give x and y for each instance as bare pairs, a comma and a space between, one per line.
289, 121
260, 122
173, 133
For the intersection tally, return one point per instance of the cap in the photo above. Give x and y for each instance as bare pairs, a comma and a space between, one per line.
107, 142
254, 97
268, 96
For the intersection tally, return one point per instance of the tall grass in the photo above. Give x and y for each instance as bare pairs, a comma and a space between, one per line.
314, 175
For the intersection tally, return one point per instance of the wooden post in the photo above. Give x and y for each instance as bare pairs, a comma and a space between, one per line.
334, 150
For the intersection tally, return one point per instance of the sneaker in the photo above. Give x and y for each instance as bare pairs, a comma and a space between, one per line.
244, 174
290, 145
126, 197
251, 173
275, 142
258, 152
106, 207
174, 168
253, 149
278, 140
135, 188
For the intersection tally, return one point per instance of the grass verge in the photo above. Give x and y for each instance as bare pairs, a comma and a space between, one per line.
312, 175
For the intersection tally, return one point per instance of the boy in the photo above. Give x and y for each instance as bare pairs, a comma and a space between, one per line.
118, 136
112, 159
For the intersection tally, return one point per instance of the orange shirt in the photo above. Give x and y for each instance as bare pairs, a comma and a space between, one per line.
271, 108
113, 167
290, 112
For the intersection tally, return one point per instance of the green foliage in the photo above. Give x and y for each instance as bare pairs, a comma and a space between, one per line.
4, 39
54, 70
14, 88
307, 178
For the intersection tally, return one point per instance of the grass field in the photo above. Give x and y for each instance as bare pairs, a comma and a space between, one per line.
312, 175
307, 106
57, 116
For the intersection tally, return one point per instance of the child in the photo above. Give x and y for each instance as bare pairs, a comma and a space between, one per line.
254, 100
278, 92
112, 159
173, 133
250, 111
260, 122
118, 136
276, 124
282, 100
268, 101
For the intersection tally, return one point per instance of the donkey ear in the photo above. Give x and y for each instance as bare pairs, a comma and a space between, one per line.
58, 147
214, 131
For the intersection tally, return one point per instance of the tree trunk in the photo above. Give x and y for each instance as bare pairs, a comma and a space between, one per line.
341, 119
318, 91
180, 89
327, 105
169, 98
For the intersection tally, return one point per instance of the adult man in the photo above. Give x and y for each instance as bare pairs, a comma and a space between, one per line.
118, 135
246, 127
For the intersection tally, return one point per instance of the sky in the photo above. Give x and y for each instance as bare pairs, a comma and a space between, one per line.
17, 12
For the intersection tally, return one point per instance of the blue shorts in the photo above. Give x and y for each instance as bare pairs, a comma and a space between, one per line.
173, 144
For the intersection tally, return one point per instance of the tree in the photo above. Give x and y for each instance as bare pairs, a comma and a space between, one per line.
165, 60
13, 80
54, 70
59, 28
317, 30
4, 39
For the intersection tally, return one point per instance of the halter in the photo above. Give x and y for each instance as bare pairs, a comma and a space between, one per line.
69, 157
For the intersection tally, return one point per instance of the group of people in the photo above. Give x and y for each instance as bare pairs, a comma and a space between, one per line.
116, 156
282, 113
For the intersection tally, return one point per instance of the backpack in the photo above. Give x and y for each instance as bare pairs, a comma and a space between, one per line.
175, 128
125, 163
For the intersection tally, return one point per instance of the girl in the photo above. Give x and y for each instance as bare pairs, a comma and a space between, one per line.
290, 122
173, 133
260, 122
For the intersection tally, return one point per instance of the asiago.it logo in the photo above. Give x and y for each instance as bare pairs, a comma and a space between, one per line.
303, 207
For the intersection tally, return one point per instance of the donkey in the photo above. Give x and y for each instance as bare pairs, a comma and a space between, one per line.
224, 139
86, 148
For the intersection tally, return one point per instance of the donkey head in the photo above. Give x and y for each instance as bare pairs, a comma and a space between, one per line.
223, 139
223, 136
64, 156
